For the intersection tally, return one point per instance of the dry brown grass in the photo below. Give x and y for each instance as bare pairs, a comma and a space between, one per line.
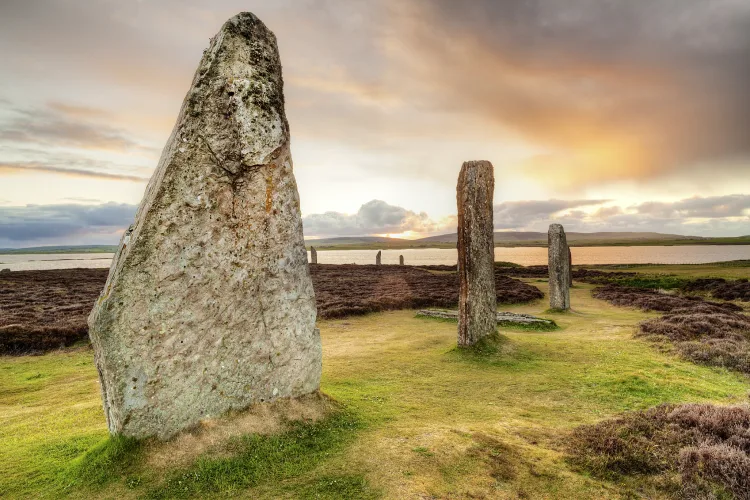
217, 435
350, 289
719, 288
710, 333
44, 310
698, 449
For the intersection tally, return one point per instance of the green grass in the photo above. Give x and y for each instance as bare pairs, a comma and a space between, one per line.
418, 417
263, 459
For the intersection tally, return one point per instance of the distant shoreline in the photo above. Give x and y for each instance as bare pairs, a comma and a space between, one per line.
404, 245
742, 240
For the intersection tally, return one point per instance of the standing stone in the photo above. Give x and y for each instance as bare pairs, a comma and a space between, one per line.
313, 255
377, 258
570, 267
477, 302
559, 268
400, 260
209, 305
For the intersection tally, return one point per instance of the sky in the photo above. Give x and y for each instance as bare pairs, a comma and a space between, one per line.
603, 115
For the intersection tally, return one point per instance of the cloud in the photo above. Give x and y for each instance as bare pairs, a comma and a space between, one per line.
65, 125
374, 217
736, 205
23, 167
609, 90
521, 214
703, 216
709, 216
64, 224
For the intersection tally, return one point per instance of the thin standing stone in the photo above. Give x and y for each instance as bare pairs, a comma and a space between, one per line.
401, 260
477, 301
378, 258
313, 255
570, 267
559, 268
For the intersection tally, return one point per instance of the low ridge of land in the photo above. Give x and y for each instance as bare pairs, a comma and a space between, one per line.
502, 239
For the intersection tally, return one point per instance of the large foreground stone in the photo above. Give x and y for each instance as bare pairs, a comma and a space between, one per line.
209, 304
477, 301
559, 268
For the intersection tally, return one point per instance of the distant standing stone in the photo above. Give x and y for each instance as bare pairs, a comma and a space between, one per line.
401, 260
570, 267
313, 255
477, 302
209, 305
559, 268
377, 258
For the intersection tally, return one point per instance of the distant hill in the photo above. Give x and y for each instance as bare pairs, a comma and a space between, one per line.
62, 249
354, 240
526, 236
502, 239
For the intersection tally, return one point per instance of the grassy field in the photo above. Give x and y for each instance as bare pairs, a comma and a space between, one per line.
412, 418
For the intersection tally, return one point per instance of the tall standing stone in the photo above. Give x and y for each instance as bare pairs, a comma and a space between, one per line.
401, 260
378, 258
477, 301
209, 305
313, 255
570, 267
559, 268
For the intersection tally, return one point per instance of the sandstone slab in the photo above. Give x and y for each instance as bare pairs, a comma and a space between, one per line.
501, 317
209, 305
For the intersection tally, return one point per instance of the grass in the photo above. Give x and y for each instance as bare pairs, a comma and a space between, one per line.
418, 417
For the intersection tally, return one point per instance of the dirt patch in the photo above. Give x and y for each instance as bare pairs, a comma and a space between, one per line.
710, 333
701, 450
44, 310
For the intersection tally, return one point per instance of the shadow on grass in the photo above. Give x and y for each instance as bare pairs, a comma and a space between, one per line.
253, 460
108, 461
487, 347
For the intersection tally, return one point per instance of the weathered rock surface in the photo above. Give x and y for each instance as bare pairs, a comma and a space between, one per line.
313, 255
401, 260
559, 268
500, 317
378, 257
209, 305
477, 302
570, 267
